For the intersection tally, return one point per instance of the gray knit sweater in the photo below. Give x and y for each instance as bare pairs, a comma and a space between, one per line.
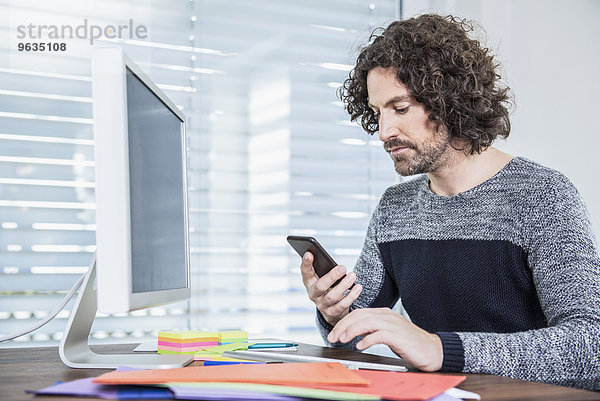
506, 273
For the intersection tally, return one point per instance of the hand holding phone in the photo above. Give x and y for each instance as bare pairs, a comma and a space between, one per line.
333, 303
322, 263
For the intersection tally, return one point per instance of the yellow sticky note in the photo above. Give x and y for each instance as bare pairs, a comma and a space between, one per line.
218, 350
233, 336
189, 335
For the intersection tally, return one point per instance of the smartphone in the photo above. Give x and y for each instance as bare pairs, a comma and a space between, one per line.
322, 262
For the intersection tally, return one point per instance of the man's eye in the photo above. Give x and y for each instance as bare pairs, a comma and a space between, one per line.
401, 110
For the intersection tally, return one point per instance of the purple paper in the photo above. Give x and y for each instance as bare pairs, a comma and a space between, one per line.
85, 388
222, 394
444, 397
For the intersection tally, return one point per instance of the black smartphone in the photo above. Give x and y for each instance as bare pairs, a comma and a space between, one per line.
322, 262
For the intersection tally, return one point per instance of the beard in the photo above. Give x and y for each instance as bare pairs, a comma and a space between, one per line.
421, 158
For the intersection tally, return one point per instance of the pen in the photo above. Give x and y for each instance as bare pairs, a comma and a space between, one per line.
267, 356
271, 345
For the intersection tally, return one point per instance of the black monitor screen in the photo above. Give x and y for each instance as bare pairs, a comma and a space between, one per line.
156, 187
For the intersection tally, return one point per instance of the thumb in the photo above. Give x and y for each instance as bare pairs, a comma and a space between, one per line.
307, 269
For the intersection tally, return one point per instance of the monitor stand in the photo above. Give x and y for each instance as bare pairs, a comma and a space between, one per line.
74, 347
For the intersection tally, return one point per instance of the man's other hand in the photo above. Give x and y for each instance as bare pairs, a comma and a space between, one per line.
421, 349
333, 303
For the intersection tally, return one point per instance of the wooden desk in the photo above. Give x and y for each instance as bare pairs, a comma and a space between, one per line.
35, 368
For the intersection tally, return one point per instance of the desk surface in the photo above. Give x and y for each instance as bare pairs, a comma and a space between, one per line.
35, 368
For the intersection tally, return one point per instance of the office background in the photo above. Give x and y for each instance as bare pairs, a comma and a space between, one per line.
271, 151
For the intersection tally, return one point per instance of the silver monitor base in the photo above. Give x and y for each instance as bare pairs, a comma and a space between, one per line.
74, 348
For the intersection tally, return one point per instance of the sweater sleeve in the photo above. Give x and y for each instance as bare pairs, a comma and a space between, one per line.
370, 273
564, 261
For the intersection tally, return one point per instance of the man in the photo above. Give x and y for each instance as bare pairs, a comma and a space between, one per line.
492, 257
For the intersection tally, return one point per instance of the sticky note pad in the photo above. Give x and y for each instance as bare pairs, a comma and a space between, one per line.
186, 341
230, 337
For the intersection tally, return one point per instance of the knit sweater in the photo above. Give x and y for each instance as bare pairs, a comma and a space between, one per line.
506, 273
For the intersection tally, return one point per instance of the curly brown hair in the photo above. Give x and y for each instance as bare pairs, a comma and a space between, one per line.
452, 75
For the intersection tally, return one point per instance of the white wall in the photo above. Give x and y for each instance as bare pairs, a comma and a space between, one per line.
550, 51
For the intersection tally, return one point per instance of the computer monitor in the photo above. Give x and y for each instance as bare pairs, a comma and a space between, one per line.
142, 245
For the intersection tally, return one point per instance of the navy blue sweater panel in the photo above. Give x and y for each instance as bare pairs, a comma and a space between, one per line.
446, 283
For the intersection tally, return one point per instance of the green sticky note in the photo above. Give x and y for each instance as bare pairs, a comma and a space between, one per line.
218, 350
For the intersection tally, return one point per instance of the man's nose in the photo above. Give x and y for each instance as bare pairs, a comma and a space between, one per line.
386, 130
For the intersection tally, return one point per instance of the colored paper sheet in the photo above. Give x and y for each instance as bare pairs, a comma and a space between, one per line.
233, 333
399, 386
219, 363
186, 348
226, 337
221, 394
85, 388
274, 373
217, 351
188, 344
163, 349
445, 397
198, 389
462, 394
223, 360
188, 341
185, 334
189, 336
168, 352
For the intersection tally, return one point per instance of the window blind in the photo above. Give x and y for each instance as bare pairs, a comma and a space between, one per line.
270, 153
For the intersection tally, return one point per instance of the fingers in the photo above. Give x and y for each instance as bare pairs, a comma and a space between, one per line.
377, 337
338, 293
309, 277
322, 287
330, 278
421, 349
361, 322
341, 305
334, 303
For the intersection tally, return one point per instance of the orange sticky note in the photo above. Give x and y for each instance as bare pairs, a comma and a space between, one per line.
273, 373
398, 386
